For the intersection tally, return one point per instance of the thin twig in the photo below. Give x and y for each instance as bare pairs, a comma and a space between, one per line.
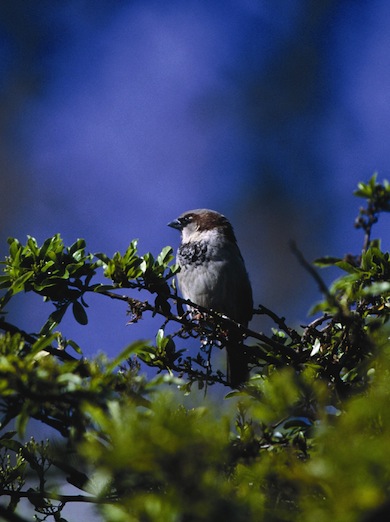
280, 321
182, 319
39, 495
312, 271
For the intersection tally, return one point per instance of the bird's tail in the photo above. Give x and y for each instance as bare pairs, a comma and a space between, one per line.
237, 365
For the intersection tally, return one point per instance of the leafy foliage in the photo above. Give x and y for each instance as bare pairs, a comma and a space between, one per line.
306, 438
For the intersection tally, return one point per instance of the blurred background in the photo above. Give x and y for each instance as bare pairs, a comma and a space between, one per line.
117, 116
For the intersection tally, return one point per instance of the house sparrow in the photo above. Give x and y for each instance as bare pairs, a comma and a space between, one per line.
213, 275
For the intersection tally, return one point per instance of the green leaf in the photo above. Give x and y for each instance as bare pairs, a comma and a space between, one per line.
54, 319
79, 313
160, 338
33, 245
366, 190
47, 266
43, 342
78, 248
103, 257
165, 256
5, 281
7, 441
327, 261
347, 267
19, 283
49, 245
14, 247
74, 345
134, 348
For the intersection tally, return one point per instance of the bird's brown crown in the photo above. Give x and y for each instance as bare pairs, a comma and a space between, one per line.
204, 219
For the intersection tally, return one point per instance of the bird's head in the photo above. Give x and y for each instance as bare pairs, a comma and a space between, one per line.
202, 224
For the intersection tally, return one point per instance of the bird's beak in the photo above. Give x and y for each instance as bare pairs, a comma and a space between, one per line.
175, 224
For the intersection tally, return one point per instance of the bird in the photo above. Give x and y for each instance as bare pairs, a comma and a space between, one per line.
213, 275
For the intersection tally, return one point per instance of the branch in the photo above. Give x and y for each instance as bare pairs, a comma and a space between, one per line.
31, 339
313, 325
321, 284
142, 306
36, 497
280, 321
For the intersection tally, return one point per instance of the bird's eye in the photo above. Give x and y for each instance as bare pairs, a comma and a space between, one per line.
186, 219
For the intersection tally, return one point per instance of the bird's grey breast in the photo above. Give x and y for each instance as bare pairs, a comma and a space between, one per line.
192, 254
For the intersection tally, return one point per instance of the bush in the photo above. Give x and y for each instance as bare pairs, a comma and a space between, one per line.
305, 439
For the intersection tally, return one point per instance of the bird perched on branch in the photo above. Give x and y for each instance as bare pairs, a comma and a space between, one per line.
213, 275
